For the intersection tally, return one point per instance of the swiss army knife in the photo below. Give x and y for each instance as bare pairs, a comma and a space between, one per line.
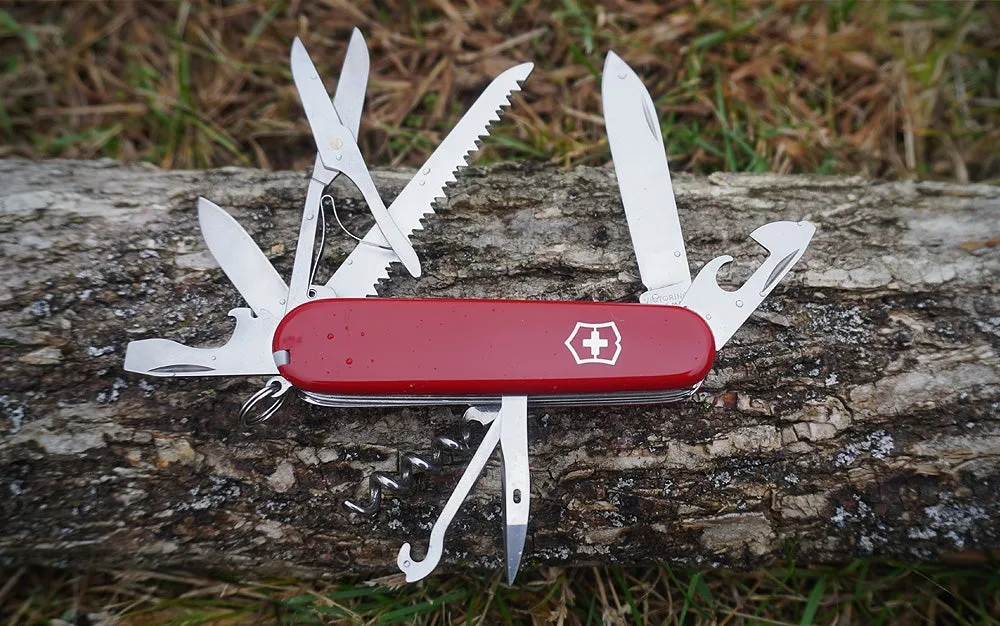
339, 347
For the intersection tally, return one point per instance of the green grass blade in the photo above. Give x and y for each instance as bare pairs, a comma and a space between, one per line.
812, 604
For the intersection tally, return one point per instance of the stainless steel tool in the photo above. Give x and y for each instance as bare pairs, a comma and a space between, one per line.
338, 347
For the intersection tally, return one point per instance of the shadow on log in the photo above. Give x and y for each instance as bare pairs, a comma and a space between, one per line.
857, 413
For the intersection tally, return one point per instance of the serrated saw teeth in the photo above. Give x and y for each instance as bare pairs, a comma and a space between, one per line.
368, 264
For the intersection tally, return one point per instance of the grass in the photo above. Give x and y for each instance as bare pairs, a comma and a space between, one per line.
889, 89
863, 592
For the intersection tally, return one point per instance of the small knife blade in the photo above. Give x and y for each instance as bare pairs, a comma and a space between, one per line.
644, 181
516, 479
243, 262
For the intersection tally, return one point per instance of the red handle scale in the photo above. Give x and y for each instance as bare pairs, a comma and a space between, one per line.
476, 347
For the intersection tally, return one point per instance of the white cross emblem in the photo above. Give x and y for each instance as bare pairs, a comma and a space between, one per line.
596, 343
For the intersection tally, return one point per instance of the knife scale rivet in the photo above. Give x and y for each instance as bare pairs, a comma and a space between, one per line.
677, 253
739, 303
336, 144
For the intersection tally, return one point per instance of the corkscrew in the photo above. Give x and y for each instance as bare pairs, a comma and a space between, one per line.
409, 464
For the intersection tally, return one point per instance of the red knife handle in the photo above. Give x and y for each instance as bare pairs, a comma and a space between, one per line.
473, 347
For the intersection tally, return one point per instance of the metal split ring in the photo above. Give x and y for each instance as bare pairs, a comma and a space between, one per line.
274, 390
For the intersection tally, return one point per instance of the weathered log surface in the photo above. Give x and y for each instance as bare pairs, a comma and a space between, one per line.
857, 413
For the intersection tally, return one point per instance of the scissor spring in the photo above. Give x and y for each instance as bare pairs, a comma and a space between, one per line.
628, 397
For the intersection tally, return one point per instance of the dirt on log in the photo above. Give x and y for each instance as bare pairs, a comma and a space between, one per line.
856, 413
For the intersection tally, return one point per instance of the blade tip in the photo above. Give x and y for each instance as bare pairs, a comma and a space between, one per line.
612, 59
614, 66
520, 72
205, 208
512, 569
298, 48
358, 42
516, 535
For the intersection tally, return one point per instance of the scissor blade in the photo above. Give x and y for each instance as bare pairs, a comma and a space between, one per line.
339, 152
320, 111
516, 478
349, 98
644, 181
243, 262
367, 264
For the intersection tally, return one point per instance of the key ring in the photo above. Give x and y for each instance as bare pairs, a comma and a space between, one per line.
274, 390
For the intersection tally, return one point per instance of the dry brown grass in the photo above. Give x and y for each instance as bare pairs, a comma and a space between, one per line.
898, 89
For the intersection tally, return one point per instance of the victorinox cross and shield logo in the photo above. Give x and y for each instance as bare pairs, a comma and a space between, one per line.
595, 343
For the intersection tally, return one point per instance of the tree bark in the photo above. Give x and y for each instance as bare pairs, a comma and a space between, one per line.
857, 413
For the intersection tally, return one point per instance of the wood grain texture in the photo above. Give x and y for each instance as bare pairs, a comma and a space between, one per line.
857, 413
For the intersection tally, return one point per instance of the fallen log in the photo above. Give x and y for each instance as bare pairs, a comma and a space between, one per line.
857, 413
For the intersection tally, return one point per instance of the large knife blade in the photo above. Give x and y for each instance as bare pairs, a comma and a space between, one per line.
644, 181
243, 262
369, 262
